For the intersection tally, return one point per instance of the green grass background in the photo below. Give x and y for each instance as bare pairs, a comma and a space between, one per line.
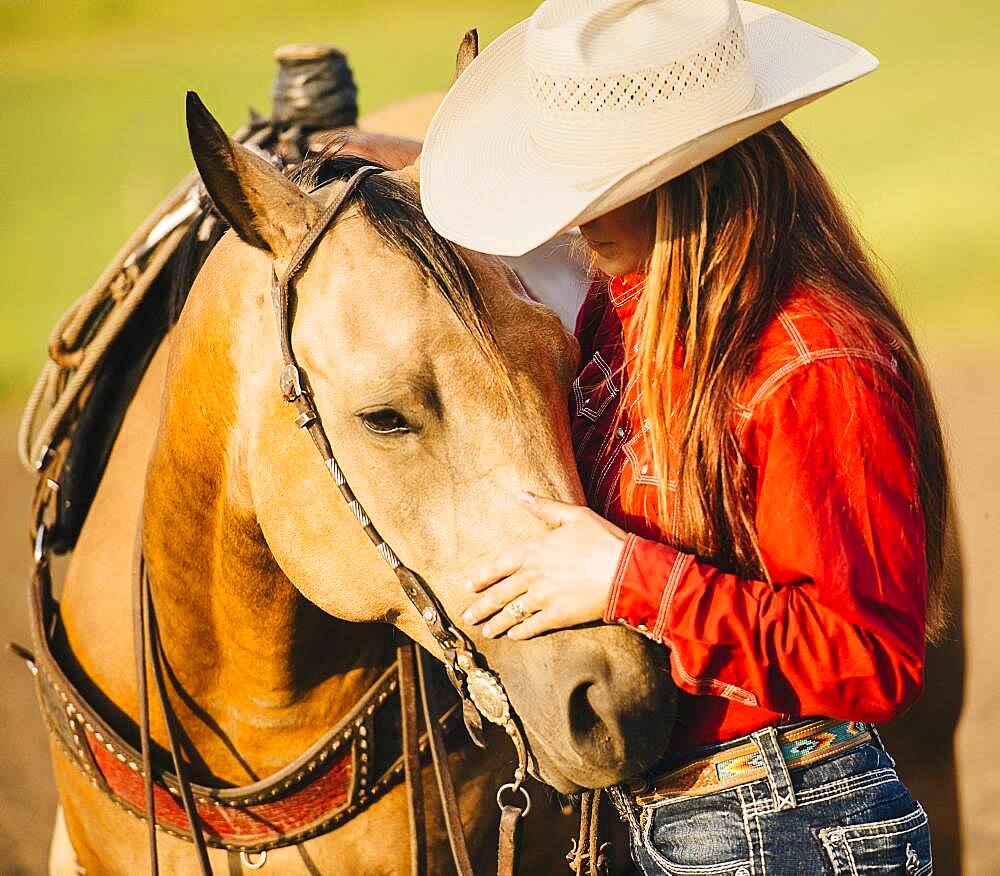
91, 118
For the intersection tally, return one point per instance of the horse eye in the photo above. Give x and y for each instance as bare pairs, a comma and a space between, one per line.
385, 421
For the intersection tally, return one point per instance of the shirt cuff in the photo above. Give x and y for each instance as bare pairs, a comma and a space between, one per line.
611, 609
644, 584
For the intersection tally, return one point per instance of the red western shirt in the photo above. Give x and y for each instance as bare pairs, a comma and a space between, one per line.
829, 435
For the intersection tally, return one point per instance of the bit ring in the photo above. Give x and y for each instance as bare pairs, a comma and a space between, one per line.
517, 610
514, 787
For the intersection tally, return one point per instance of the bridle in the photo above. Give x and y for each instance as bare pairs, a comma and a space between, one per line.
481, 692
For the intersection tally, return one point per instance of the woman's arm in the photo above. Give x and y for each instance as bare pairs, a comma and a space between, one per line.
840, 525
842, 631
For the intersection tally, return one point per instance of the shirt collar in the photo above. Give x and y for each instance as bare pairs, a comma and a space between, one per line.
624, 290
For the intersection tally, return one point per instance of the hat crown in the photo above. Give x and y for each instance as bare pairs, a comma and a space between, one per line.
588, 36
594, 65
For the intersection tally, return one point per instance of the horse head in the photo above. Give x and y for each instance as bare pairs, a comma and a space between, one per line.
443, 390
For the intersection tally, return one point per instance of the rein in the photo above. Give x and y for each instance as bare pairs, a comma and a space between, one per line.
340, 774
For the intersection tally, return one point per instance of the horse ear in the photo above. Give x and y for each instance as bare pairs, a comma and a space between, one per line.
264, 208
467, 51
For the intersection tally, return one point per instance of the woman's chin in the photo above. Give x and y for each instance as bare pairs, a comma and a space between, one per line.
611, 263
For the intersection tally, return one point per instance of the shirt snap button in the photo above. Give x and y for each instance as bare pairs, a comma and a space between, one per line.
620, 432
743, 871
644, 470
635, 349
837, 836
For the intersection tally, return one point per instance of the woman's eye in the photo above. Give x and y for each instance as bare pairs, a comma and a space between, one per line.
385, 421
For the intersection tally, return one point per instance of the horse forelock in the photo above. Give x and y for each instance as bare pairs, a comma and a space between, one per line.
392, 208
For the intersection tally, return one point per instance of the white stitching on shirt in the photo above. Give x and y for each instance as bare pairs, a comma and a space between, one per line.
680, 561
633, 455
594, 484
634, 292
614, 491
775, 378
796, 337
583, 407
613, 457
611, 611
712, 685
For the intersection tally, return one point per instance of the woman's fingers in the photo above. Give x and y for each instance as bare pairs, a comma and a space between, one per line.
538, 623
495, 599
501, 566
552, 511
513, 613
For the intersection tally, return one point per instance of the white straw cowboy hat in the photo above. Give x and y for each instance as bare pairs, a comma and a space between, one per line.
591, 103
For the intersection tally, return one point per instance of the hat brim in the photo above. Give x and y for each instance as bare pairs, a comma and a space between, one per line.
485, 186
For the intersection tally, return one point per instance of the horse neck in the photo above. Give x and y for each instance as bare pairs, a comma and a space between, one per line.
258, 671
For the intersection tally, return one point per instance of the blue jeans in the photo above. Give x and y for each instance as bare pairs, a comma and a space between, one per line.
849, 814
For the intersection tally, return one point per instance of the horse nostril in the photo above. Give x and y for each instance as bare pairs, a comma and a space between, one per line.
592, 737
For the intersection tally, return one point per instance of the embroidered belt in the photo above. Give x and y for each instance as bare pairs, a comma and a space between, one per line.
743, 763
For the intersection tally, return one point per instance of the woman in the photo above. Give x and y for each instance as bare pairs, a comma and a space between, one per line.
752, 422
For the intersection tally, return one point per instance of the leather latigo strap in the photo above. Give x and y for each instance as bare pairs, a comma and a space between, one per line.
411, 760
507, 846
740, 764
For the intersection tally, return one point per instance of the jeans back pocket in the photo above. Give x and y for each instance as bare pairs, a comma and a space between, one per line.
897, 845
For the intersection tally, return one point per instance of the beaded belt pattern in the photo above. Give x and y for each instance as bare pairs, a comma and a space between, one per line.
743, 763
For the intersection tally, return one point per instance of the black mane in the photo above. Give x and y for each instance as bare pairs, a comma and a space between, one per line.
393, 209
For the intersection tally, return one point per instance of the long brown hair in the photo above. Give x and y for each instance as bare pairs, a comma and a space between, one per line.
732, 237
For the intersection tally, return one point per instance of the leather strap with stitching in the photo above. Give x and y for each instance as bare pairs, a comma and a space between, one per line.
411, 759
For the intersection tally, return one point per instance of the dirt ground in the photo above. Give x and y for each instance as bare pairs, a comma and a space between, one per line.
970, 400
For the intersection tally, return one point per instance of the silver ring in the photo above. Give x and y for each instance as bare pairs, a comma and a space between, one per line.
517, 610
511, 786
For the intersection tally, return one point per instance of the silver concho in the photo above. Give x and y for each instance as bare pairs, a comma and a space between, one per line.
488, 696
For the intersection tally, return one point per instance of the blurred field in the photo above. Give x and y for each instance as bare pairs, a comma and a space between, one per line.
92, 117
92, 113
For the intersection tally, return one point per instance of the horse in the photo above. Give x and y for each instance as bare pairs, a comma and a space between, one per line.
443, 389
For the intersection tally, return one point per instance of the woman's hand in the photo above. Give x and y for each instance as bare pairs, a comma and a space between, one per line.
559, 580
